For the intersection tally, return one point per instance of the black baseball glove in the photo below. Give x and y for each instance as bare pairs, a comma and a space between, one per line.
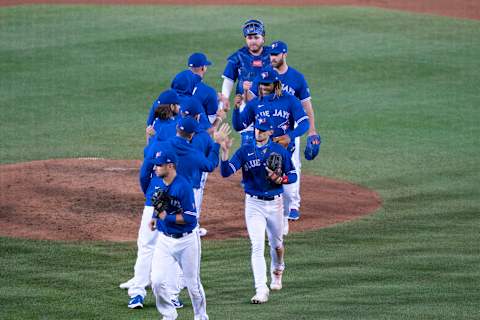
160, 201
274, 167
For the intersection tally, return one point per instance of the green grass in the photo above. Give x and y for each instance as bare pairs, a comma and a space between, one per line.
396, 98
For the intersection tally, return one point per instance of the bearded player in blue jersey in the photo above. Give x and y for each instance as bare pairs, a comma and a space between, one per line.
244, 65
294, 83
263, 201
178, 241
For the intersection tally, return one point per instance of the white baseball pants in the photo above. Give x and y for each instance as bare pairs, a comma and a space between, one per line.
291, 191
146, 242
185, 251
198, 194
264, 216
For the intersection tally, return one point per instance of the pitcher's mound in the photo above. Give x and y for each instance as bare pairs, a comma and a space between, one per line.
98, 199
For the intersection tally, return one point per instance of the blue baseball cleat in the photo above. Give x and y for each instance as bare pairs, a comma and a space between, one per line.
177, 303
294, 215
136, 302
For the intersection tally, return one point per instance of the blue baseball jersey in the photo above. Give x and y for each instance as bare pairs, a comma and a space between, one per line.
203, 142
252, 160
190, 161
208, 98
184, 82
286, 112
182, 197
244, 66
164, 130
293, 82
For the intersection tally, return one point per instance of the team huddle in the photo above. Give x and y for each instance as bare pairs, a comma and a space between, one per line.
186, 139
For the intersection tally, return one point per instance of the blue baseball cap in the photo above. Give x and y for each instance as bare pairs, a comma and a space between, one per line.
268, 76
165, 156
253, 26
187, 124
198, 59
191, 107
264, 123
168, 97
278, 47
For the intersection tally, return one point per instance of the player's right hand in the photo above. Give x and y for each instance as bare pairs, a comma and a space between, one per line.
247, 85
237, 101
150, 131
153, 224
223, 102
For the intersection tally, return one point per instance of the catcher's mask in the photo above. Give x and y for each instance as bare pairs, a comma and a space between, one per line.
253, 26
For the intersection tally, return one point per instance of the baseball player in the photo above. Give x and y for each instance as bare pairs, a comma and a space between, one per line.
244, 65
289, 117
162, 115
146, 244
198, 64
263, 201
189, 83
294, 83
178, 241
203, 142
165, 111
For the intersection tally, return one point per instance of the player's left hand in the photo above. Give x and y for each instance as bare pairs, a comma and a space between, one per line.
283, 140
312, 148
222, 133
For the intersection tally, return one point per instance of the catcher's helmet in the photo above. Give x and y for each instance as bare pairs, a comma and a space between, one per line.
253, 27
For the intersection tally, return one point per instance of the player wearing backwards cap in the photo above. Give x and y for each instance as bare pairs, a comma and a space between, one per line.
294, 83
263, 201
289, 117
178, 240
244, 65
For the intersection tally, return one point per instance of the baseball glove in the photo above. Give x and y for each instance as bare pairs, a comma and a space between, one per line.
274, 163
313, 147
160, 201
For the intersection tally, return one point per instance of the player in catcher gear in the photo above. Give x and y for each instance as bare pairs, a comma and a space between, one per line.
244, 65
266, 167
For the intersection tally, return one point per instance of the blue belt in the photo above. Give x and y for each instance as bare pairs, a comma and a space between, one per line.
266, 198
177, 235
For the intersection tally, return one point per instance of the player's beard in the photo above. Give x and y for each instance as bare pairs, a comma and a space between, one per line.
277, 64
254, 48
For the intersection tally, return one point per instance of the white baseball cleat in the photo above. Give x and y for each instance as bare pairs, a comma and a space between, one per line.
276, 283
202, 232
260, 297
127, 285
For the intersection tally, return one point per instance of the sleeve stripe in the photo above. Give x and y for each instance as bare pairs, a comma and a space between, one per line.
306, 99
301, 119
225, 77
191, 213
232, 167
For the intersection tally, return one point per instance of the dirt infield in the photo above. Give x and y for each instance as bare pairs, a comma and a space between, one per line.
469, 9
95, 199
